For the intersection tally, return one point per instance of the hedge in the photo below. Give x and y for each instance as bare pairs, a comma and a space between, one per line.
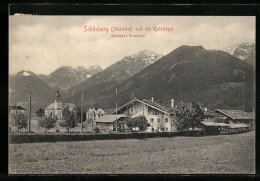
33, 138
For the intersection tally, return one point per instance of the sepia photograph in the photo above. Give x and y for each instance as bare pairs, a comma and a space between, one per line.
131, 94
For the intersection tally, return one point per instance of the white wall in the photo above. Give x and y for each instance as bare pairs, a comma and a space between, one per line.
139, 109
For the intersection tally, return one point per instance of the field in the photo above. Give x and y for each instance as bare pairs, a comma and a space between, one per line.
224, 154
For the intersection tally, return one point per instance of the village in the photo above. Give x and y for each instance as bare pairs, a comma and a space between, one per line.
179, 101
137, 115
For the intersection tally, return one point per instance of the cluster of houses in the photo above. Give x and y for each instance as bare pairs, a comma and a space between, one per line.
159, 114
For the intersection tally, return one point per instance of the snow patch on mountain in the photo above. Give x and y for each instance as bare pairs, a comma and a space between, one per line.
146, 56
25, 74
241, 51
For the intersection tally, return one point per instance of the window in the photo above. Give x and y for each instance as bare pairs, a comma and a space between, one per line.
151, 120
166, 129
158, 120
155, 112
166, 120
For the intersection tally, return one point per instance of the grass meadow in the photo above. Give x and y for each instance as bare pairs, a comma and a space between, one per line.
223, 154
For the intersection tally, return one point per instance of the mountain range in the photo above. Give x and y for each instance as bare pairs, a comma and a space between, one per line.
24, 82
66, 77
116, 73
44, 87
213, 77
243, 51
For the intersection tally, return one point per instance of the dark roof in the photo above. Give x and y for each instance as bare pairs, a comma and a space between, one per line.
236, 114
159, 105
18, 107
164, 106
109, 118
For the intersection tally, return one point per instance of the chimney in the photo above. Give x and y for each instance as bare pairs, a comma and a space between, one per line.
172, 103
152, 98
206, 109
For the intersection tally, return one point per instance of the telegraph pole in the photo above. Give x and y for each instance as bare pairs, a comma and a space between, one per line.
116, 109
30, 112
244, 91
143, 112
82, 113
16, 109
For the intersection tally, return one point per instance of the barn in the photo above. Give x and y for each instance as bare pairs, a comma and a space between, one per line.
229, 122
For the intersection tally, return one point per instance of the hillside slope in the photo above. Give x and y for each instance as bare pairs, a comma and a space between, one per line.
188, 73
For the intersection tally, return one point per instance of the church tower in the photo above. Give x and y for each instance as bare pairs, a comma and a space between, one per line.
58, 106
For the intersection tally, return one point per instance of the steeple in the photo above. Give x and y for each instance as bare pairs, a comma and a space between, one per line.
58, 97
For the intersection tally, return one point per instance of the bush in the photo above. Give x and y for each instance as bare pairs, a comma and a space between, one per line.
34, 138
96, 130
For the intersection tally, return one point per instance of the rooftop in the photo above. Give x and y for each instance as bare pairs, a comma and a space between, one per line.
236, 114
109, 118
164, 106
16, 107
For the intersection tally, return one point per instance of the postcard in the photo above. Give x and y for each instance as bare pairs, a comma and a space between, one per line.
131, 94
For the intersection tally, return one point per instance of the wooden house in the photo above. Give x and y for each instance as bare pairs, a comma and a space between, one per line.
108, 122
16, 110
229, 122
238, 117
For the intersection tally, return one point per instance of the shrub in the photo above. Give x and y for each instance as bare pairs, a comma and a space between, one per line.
69, 119
47, 123
20, 121
96, 130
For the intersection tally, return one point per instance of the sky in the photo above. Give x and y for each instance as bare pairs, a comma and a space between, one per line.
42, 44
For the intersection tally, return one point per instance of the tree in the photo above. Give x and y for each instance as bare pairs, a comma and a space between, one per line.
181, 120
69, 119
196, 116
96, 130
47, 122
130, 122
40, 113
140, 122
20, 121
188, 116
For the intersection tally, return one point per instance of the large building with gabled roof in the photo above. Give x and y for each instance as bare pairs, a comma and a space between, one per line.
158, 113
54, 110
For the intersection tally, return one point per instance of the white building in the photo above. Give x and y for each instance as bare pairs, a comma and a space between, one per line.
94, 113
159, 114
55, 108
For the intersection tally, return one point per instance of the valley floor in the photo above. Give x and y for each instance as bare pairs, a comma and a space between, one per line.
223, 154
